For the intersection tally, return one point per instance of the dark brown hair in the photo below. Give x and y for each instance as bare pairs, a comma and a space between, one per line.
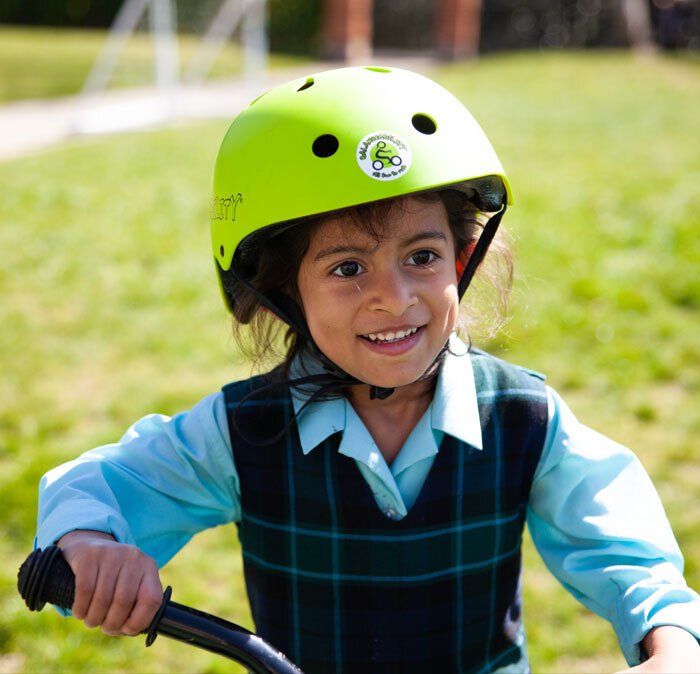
273, 259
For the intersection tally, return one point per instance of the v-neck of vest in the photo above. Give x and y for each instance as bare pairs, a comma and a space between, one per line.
443, 459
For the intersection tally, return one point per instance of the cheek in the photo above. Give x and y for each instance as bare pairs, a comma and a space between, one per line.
307, 297
453, 310
321, 308
319, 326
450, 302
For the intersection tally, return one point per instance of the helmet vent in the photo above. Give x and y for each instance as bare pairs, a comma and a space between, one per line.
376, 69
309, 83
424, 124
221, 250
325, 145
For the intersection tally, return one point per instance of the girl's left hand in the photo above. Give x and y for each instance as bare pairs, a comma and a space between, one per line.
670, 649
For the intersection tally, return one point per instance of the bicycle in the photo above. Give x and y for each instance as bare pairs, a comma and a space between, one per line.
45, 577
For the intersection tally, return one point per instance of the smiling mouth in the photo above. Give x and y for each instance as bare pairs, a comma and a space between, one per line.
388, 337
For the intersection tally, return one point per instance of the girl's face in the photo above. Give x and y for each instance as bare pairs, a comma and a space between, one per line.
382, 309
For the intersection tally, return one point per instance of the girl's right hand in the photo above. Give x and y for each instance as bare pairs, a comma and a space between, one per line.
117, 587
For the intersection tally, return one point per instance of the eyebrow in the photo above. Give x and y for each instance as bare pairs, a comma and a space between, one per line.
428, 235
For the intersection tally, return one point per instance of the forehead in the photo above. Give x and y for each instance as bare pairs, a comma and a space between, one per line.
392, 220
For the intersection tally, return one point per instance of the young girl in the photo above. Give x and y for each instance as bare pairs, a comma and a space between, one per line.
382, 474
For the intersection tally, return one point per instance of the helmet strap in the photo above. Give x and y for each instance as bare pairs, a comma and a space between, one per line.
379, 392
479, 251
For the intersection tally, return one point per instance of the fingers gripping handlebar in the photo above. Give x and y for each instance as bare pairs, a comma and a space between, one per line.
46, 577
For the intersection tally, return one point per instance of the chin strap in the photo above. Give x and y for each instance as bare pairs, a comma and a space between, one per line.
325, 383
379, 392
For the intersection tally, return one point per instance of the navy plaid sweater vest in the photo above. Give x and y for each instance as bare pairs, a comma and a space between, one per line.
339, 587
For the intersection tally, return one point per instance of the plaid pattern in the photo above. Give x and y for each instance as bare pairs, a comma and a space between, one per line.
339, 587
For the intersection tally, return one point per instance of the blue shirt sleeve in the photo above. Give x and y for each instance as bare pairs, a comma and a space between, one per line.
167, 479
600, 528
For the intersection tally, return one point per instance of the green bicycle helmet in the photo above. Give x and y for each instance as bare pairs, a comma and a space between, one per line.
339, 139
343, 138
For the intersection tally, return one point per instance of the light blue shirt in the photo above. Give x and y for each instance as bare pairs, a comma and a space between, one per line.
593, 514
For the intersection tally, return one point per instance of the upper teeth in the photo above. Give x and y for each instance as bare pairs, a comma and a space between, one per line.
389, 336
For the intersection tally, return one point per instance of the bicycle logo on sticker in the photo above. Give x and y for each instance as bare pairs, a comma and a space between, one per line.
383, 156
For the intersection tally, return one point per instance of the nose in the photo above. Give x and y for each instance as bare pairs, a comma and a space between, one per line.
391, 292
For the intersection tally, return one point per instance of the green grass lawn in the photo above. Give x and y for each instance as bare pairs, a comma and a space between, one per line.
46, 63
110, 310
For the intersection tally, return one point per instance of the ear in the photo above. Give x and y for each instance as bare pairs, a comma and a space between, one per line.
463, 258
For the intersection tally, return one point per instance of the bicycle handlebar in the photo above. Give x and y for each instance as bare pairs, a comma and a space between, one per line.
45, 577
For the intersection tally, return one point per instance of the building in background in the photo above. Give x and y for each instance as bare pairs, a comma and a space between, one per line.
448, 29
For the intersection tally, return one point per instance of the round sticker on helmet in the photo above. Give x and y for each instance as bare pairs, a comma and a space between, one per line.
383, 156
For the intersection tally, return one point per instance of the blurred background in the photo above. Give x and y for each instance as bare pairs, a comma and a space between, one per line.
111, 114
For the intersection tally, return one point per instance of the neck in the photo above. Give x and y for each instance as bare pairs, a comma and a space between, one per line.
390, 421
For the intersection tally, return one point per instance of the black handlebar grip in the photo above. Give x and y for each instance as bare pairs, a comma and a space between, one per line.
45, 576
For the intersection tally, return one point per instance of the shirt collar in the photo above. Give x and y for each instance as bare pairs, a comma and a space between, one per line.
453, 411
454, 408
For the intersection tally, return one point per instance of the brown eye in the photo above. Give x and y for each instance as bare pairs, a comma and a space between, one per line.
422, 258
347, 269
